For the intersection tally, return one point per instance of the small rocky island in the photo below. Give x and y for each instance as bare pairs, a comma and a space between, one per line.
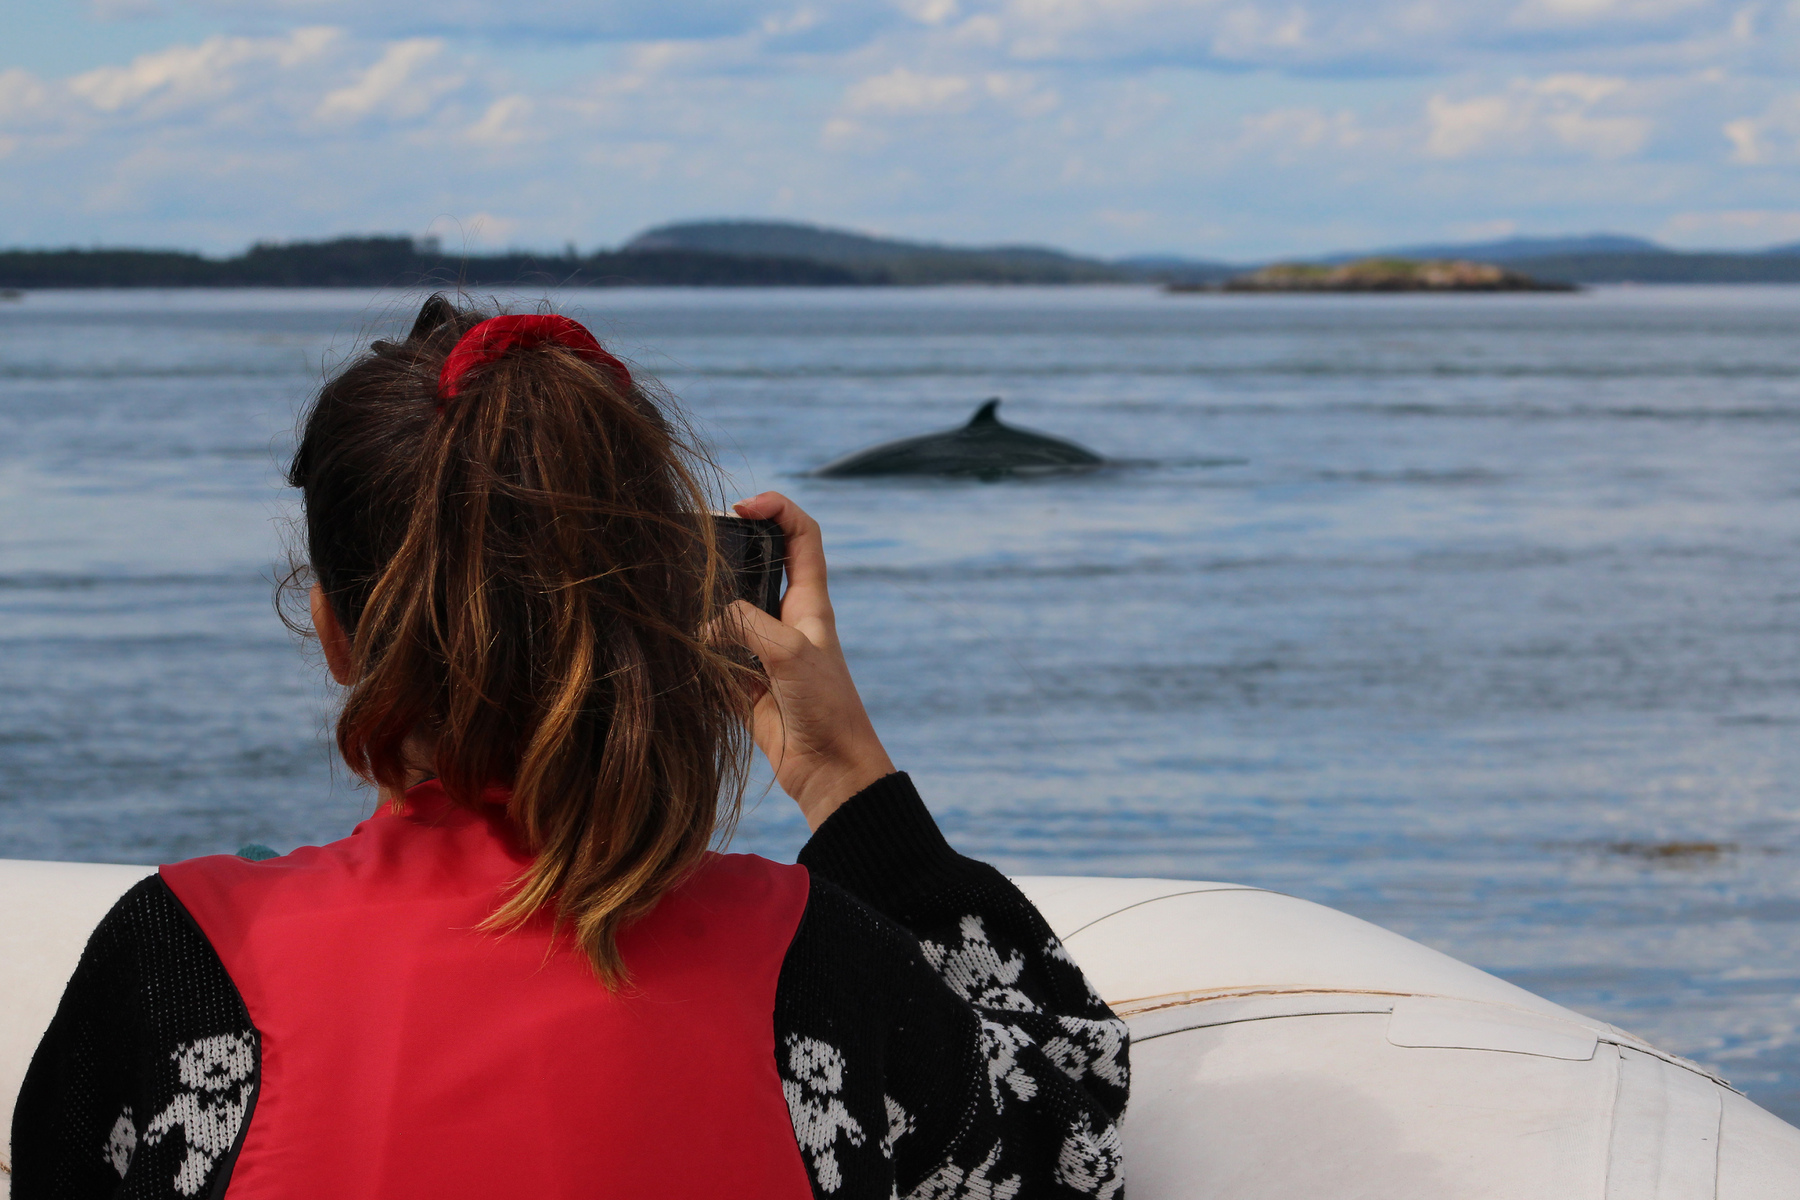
1385, 275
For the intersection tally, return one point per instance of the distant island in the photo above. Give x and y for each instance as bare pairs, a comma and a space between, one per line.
791, 254
887, 261
700, 254
1383, 275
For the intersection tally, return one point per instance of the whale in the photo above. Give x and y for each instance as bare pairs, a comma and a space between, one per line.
985, 448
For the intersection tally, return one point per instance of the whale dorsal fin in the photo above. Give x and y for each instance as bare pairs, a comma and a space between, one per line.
986, 414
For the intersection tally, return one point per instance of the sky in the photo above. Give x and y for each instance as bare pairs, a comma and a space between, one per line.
1229, 129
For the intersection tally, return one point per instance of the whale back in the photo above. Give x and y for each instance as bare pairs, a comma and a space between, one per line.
984, 448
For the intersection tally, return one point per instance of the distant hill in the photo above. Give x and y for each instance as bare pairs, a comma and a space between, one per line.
1665, 266
401, 262
1173, 268
881, 260
1514, 248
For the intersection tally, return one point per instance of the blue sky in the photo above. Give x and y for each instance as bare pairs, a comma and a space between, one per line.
1221, 128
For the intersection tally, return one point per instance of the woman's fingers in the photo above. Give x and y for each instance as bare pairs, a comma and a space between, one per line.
807, 595
776, 643
809, 722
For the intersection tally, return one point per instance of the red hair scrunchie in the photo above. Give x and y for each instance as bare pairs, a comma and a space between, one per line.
494, 337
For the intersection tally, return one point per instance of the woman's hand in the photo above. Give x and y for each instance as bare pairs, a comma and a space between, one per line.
810, 722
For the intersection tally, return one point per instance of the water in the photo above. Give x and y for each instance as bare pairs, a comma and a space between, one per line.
1451, 612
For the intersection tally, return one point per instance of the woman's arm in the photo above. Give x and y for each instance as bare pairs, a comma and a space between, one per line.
934, 1038
977, 931
148, 1069
808, 721
74, 1124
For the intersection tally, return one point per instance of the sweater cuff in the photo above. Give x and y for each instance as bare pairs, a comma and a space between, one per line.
880, 843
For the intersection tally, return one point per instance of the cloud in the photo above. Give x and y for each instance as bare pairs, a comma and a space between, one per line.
1577, 13
904, 91
1375, 37
1771, 137
1290, 133
1560, 112
213, 139
1223, 127
185, 76
506, 122
562, 21
23, 96
392, 86
277, 85
1356, 36
930, 12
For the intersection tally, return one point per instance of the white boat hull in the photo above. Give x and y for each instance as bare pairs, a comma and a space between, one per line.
1280, 1050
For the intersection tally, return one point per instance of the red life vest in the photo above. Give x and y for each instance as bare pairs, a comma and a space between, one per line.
407, 1054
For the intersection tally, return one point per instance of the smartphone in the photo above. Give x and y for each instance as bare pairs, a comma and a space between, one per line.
755, 551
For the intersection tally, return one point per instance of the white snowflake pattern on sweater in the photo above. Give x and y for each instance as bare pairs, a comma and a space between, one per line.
1091, 1162
121, 1143
811, 1083
952, 1182
1090, 1047
899, 1122
1054, 949
211, 1113
976, 972
1001, 1044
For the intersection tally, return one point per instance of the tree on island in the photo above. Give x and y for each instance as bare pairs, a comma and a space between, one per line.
1392, 275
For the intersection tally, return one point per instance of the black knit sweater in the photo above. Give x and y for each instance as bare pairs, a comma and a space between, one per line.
933, 1038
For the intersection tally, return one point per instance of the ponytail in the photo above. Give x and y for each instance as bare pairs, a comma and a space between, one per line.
526, 571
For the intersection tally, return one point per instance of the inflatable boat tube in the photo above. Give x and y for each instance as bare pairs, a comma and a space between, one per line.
1280, 1050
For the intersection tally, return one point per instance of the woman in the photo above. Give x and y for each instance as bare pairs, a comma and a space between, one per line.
527, 974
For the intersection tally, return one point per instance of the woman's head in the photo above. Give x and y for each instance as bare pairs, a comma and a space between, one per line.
523, 563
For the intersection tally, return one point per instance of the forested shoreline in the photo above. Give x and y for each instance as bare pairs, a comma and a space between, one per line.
727, 254
402, 262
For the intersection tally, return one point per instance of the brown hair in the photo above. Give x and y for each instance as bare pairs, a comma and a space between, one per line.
527, 578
